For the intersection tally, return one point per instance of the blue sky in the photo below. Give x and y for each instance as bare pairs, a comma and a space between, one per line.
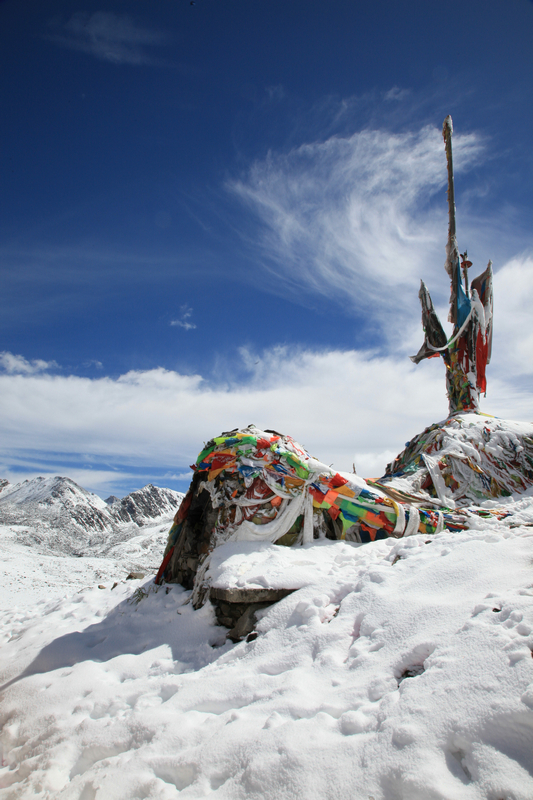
219, 213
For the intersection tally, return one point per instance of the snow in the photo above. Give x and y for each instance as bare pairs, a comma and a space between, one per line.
396, 670
260, 565
30, 574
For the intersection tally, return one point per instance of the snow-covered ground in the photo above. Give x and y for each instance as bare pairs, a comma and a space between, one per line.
400, 670
30, 575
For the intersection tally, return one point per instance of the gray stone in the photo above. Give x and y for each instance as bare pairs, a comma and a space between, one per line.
245, 623
248, 596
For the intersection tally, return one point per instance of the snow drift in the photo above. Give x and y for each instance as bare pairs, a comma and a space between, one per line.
395, 670
403, 669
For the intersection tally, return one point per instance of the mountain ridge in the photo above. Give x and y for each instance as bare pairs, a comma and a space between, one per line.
57, 515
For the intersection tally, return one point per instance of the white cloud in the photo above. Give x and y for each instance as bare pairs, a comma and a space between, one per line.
513, 317
344, 406
184, 319
353, 217
13, 364
181, 476
334, 402
107, 36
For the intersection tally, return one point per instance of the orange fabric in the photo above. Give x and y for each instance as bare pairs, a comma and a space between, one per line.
331, 497
293, 483
215, 472
346, 491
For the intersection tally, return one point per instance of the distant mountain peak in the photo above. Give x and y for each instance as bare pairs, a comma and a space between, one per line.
145, 504
61, 510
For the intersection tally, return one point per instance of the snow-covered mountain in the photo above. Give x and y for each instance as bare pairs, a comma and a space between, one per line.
59, 501
57, 515
146, 505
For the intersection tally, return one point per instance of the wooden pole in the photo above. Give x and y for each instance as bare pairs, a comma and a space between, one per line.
447, 130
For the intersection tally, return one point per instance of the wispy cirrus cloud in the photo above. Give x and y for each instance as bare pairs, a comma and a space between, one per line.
107, 36
184, 319
275, 93
93, 362
354, 217
396, 94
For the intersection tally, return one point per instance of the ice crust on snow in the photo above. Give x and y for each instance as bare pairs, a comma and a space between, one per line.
400, 669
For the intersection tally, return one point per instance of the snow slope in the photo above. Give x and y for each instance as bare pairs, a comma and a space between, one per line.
30, 574
398, 670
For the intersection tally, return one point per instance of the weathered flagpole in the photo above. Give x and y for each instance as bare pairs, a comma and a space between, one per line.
467, 352
447, 130
452, 250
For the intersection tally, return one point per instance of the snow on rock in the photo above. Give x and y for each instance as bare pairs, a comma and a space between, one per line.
467, 459
146, 504
398, 670
261, 565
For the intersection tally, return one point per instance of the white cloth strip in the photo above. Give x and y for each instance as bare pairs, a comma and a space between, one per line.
400, 519
307, 537
454, 339
414, 520
271, 531
442, 490
247, 502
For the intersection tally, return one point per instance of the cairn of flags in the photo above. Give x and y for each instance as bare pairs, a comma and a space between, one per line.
266, 487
